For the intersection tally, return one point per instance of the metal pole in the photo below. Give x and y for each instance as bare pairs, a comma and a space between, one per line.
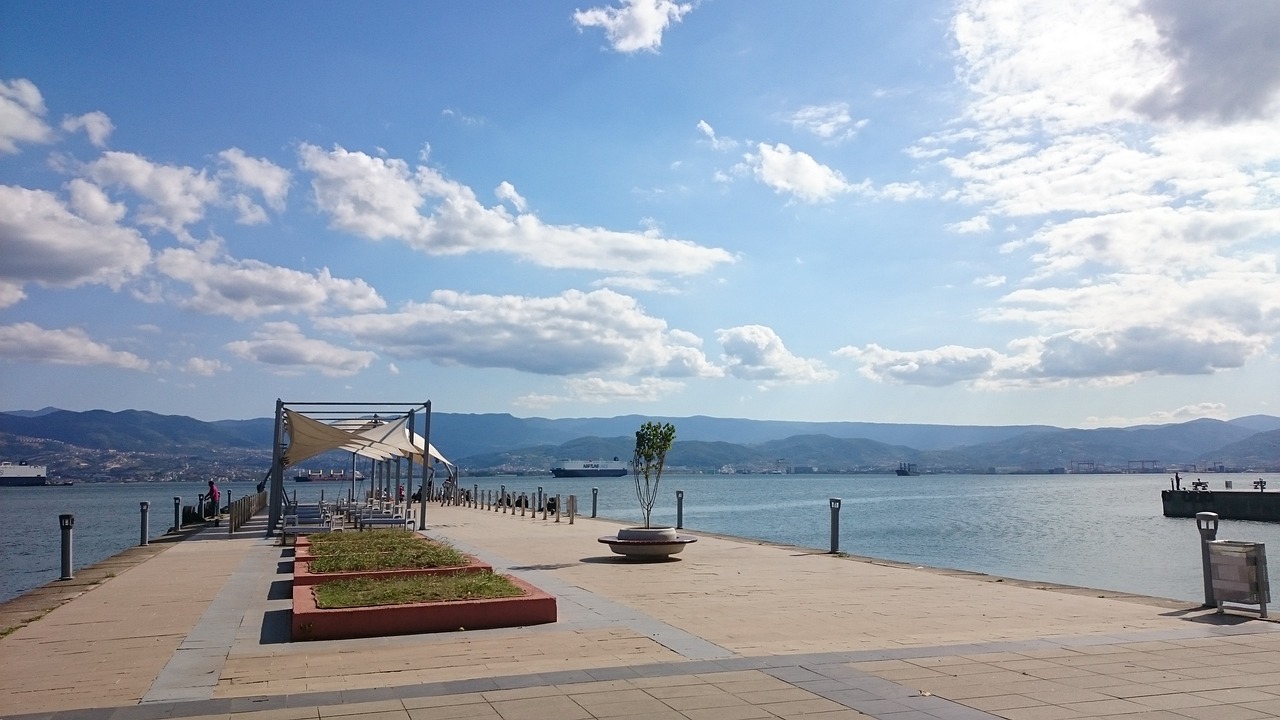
835, 525
679, 509
146, 511
177, 514
1207, 525
428, 463
66, 522
573, 507
595, 495
276, 500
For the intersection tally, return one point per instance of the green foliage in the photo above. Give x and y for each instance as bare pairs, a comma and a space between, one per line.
653, 441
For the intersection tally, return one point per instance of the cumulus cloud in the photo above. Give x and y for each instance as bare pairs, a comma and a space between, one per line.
1151, 244
600, 391
755, 352
96, 125
221, 285
29, 342
173, 196
204, 366
21, 115
267, 178
43, 240
573, 333
1224, 62
507, 193
282, 346
933, 368
381, 198
796, 173
829, 122
636, 25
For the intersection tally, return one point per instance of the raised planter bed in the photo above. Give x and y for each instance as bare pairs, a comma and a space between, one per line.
647, 543
535, 607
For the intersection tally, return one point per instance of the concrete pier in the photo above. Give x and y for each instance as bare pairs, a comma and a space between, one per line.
732, 629
1228, 504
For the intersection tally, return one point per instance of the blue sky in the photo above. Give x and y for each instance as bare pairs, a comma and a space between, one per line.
945, 212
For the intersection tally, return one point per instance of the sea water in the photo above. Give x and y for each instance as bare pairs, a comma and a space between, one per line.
1097, 531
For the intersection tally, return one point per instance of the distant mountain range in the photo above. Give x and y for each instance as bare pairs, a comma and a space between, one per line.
142, 445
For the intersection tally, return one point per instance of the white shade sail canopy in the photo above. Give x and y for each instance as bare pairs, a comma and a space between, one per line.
371, 438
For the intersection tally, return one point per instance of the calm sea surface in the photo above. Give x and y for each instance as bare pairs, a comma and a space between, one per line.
1100, 531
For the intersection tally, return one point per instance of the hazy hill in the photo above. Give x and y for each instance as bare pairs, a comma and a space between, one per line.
144, 444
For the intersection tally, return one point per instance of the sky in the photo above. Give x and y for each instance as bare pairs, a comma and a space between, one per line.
964, 212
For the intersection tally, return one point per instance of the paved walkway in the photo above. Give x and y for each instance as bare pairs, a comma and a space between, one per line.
733, 629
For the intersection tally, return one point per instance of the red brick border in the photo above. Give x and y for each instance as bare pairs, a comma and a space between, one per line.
535, 607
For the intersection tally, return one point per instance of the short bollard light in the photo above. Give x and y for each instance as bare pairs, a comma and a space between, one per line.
66, 522
177, 514
679, 509
143, 538
595, 497
1207, 525
835, 525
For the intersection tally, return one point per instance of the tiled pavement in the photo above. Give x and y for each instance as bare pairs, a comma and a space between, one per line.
733, 629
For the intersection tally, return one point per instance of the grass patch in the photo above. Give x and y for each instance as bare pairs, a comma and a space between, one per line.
388, 549
419, 555
418, 589
364, 542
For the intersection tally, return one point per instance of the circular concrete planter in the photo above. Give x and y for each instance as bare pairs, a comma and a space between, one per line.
647, 543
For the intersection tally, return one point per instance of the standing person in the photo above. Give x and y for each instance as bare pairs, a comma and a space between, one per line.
215, 497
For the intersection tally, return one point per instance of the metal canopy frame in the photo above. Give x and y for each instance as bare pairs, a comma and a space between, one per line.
357, 416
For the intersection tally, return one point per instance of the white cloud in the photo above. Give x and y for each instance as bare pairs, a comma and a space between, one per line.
1152, 243
639, 283
70, 346
716, 142
1182, 414
383, 198
204, 366
599, 391
940, 367
269, 179
43, 241
797, 173
174, 196
221, 285
637, 25
977, 224
755, 352
829, 122
507, 192
991, 281
21, 115
283, 346
572, 333
96, 125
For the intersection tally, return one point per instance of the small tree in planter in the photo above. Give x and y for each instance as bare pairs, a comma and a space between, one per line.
653, 440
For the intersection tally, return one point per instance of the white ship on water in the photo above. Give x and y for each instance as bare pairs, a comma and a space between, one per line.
589, 468
23, 475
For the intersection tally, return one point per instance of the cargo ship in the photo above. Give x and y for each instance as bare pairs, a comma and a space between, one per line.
23, 475
589, 468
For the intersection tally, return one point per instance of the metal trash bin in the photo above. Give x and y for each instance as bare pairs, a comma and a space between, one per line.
1239, 573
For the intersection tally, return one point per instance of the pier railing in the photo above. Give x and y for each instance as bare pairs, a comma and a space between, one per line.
241, 511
